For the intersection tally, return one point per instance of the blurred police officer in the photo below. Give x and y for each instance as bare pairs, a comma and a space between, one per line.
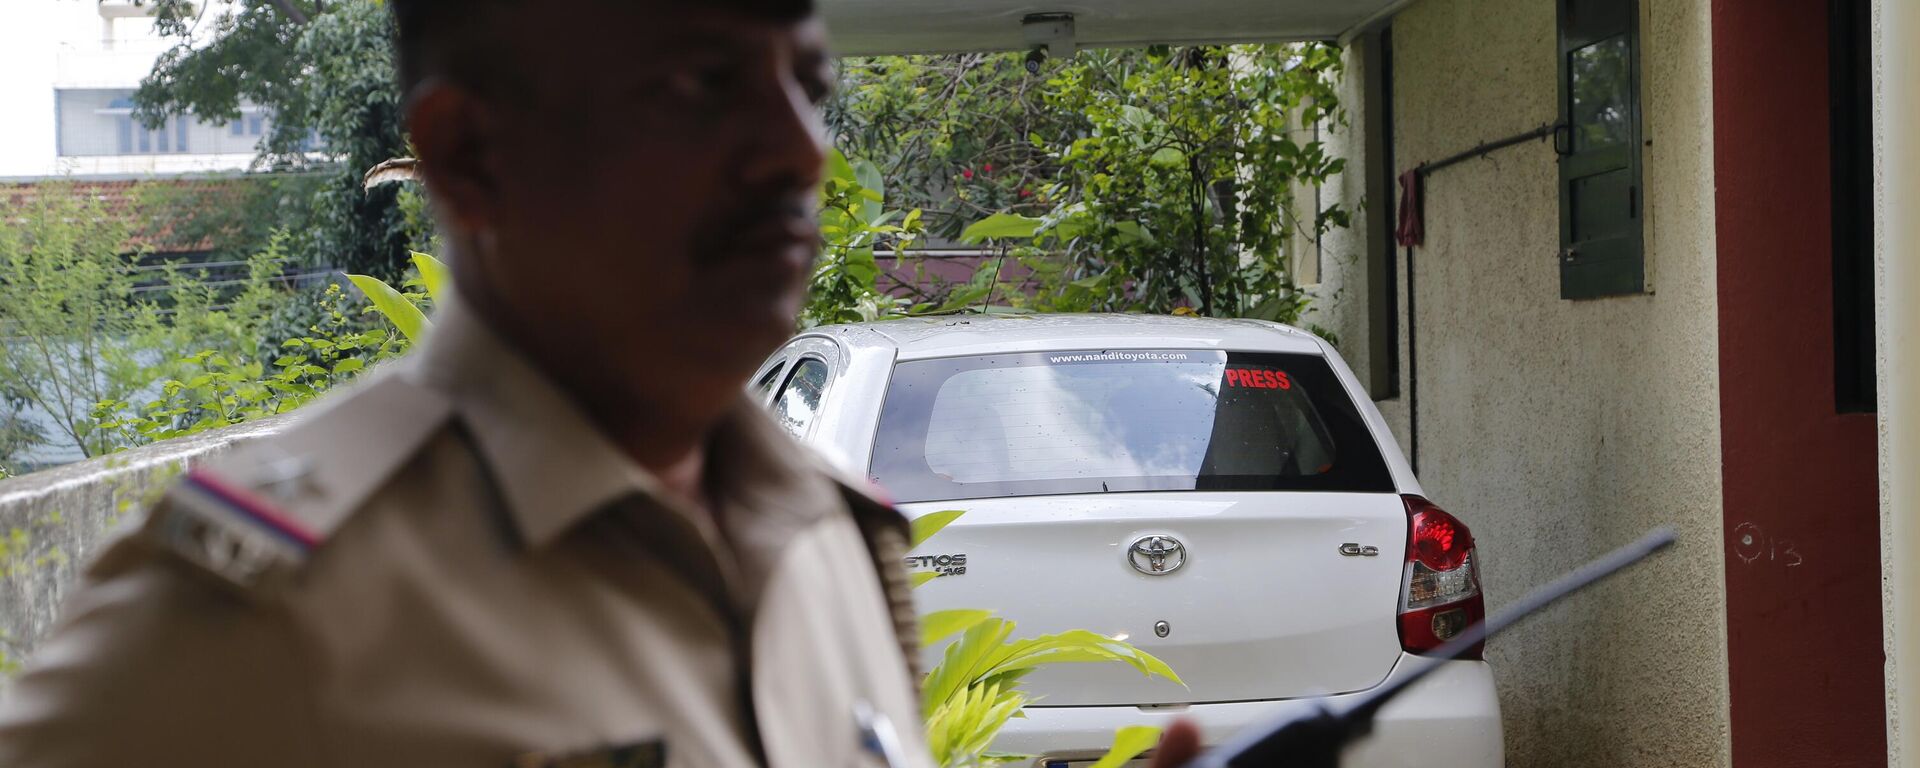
557, 534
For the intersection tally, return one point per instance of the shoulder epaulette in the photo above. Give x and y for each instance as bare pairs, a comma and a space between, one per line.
229, 531
261, 512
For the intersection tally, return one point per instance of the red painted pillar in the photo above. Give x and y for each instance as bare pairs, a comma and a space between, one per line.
1801, 480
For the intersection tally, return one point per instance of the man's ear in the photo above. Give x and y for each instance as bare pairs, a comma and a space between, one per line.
452, 132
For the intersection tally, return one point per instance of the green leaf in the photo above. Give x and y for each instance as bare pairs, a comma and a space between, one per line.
1128, 743
1000, 225
1133, 231
433, 274
1168, 157
838, 169
868, 174
402, 313
348, 365
918, 579
925, 526
940, 625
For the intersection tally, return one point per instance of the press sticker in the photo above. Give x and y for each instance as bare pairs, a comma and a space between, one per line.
1258, 378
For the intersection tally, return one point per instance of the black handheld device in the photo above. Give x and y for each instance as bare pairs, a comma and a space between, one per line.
1316, 739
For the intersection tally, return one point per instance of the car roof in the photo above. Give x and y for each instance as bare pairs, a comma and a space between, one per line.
959, 335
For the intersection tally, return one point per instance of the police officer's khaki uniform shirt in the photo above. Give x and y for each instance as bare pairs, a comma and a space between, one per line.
450, 566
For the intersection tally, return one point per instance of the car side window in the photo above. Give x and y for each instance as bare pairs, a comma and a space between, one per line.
799, 399
763, 388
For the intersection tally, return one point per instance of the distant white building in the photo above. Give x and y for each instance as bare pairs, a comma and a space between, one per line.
67, 98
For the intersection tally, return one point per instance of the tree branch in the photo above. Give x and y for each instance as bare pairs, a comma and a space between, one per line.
292, 12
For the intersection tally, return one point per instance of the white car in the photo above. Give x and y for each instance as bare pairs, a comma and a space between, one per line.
1220, 493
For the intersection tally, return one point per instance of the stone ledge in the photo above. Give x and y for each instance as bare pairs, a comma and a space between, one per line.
52, 522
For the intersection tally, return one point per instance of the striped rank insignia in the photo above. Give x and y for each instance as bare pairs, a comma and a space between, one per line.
651, 754
229, 531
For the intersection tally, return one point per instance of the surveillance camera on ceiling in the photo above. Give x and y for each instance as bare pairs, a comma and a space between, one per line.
1047, 34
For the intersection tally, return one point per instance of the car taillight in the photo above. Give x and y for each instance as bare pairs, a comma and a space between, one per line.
1440, 591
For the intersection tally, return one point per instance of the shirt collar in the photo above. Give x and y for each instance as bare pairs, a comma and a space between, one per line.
555, 468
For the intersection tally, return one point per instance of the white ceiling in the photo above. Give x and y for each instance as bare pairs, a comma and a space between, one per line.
861, 27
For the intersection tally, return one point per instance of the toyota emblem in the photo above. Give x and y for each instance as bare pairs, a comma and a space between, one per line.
1157, 555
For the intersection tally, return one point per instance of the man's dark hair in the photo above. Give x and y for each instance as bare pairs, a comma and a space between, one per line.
463, 39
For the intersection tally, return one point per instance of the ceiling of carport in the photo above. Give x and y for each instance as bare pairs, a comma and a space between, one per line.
861, 27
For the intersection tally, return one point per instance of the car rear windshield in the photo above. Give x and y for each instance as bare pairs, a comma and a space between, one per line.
1108, 421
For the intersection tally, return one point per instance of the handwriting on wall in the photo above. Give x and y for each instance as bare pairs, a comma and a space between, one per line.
1752, 545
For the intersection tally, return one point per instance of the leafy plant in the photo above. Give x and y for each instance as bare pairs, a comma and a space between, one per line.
950, 132
221, 389
1187, 175
85, 322
843, 287
403, 310
323, 70
975, 690
1124, 180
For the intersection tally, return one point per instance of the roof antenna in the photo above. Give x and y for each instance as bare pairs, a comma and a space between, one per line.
998, 262
1316, 737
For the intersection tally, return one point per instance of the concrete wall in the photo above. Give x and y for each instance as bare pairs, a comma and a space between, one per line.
1560, 429
1340, 298
52, 523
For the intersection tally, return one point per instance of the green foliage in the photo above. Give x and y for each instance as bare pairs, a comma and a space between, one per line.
970, 695
77, 324
950, 132
1125, 180
407, 311
1202, 147
220, 389
853, 222
1128, 743
925, 526
324, 71
237, 216
406, 317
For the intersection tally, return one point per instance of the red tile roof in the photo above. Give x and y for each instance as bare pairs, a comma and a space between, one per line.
123, 198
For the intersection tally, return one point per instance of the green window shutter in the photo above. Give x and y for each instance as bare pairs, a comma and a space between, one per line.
1601, 249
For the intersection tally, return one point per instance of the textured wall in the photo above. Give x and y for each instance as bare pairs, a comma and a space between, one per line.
52, 522
1339, 300
1343, 252
1882, 366
1560, 429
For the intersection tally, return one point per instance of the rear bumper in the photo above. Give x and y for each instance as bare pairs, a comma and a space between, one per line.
1450, 720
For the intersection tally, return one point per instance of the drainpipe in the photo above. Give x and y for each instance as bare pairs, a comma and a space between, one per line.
1899, 88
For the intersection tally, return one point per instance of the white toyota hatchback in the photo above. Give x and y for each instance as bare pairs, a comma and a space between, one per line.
1220, 493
